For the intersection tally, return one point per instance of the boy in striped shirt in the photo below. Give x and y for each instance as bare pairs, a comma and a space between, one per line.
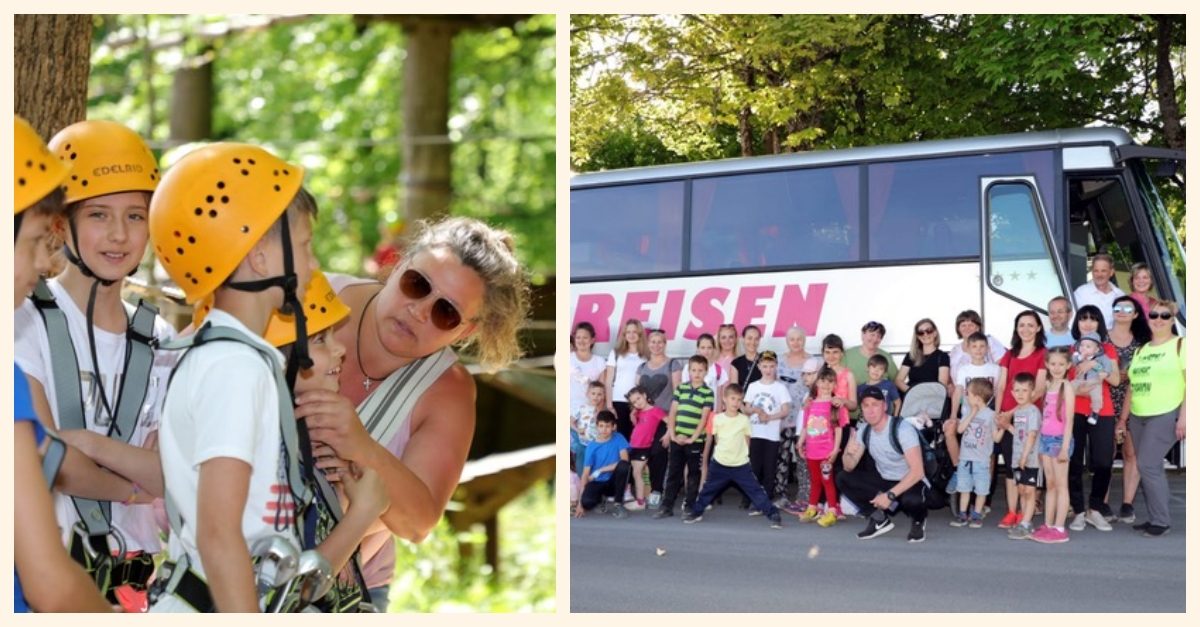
690, 409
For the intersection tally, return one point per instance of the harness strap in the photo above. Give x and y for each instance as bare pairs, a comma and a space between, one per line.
139, 360
56, 451
386, 409
182, 582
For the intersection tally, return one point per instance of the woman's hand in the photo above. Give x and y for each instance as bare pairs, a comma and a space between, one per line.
333, 420
1181, 427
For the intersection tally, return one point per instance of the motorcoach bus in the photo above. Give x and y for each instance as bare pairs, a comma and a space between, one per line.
829, 240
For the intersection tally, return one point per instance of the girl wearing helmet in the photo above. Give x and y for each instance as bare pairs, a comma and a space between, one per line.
46, 578
459, 283
113, 174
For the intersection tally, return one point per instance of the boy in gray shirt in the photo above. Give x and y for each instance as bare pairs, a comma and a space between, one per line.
1026, 424
979, 433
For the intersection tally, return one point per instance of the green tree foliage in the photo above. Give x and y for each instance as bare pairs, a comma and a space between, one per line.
660, 88
326, 93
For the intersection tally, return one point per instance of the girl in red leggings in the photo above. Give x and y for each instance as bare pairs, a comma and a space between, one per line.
818, 444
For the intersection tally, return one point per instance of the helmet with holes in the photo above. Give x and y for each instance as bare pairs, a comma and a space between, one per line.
322, 309
36, 170
212, 206
107, 158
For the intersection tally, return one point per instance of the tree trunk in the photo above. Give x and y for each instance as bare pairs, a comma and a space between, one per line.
425, 176
52, 58
192, 102
1164, 78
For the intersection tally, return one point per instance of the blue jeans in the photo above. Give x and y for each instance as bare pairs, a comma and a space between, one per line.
719, 478
379, 597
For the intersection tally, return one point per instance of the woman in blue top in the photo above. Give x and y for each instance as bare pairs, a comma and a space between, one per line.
53, 582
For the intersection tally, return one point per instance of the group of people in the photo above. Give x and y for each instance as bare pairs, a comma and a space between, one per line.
1049, 403
285, 438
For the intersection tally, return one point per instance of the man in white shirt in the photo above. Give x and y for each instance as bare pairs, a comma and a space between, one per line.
1100, 291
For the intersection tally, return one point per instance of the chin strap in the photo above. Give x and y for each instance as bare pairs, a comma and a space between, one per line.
299, 358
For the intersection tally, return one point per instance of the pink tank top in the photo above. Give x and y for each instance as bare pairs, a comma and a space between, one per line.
1052, 419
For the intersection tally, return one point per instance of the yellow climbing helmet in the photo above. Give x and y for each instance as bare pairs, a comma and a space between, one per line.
108, 158
36, 171
322, 309
212, 206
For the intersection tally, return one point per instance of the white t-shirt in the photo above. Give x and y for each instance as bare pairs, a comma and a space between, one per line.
970, 371
626, 374
772, 398
960, 357
582, 373
223, 402
32, 347
713, 380
1087, 294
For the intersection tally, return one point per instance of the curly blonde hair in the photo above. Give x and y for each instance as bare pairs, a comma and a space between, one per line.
489, 252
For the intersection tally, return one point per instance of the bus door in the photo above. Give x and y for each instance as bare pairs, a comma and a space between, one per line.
1020, 268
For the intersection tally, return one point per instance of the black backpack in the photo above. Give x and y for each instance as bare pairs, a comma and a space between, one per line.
938, 468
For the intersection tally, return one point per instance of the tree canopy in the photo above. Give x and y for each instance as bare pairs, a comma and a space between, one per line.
325, 92
653, 89
710, 86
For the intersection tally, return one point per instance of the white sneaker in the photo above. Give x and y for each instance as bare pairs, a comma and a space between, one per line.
635, 506
655, 499
628, 495
1096, 519
1079, 522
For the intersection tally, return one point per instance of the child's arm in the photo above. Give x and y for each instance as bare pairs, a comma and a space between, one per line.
223, 492
51, 580
956, 400
610, 373
1068, 399
140, 464
966, 422
787, 409
669, 435
702, 425
368, 498
837, 442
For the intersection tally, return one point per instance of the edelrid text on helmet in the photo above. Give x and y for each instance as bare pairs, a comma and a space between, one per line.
108, 158
36, 171
212, 207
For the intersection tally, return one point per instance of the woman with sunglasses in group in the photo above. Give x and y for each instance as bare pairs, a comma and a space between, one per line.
458, 284
1156, 411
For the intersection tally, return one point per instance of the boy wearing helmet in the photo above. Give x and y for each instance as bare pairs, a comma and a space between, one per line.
336, 535
93, 372
231, 220
52, 582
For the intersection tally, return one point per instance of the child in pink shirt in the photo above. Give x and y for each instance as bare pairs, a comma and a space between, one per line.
645, 418
818, 443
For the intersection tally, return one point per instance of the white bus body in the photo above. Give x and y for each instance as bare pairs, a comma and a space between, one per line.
833, 239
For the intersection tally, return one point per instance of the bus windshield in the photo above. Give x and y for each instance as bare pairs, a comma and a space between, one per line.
1167, 239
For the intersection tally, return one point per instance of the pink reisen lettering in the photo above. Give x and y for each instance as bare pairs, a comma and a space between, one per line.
635, 305
749, 307
596, 309
670, 318
797, 310
706, 310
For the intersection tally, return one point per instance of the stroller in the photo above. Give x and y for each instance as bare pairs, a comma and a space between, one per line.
927, 407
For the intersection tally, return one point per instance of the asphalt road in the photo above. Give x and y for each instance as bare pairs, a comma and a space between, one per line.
730, 562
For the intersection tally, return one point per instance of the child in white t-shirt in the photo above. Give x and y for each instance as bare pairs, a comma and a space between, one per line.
767, 402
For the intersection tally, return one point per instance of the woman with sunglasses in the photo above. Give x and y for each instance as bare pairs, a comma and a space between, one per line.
1157, 405
925, 362
459, 284
1097, 438
1130, 331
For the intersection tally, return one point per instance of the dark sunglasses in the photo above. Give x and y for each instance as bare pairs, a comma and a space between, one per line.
444, 315
926, 331
1160, 315
1122, 308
